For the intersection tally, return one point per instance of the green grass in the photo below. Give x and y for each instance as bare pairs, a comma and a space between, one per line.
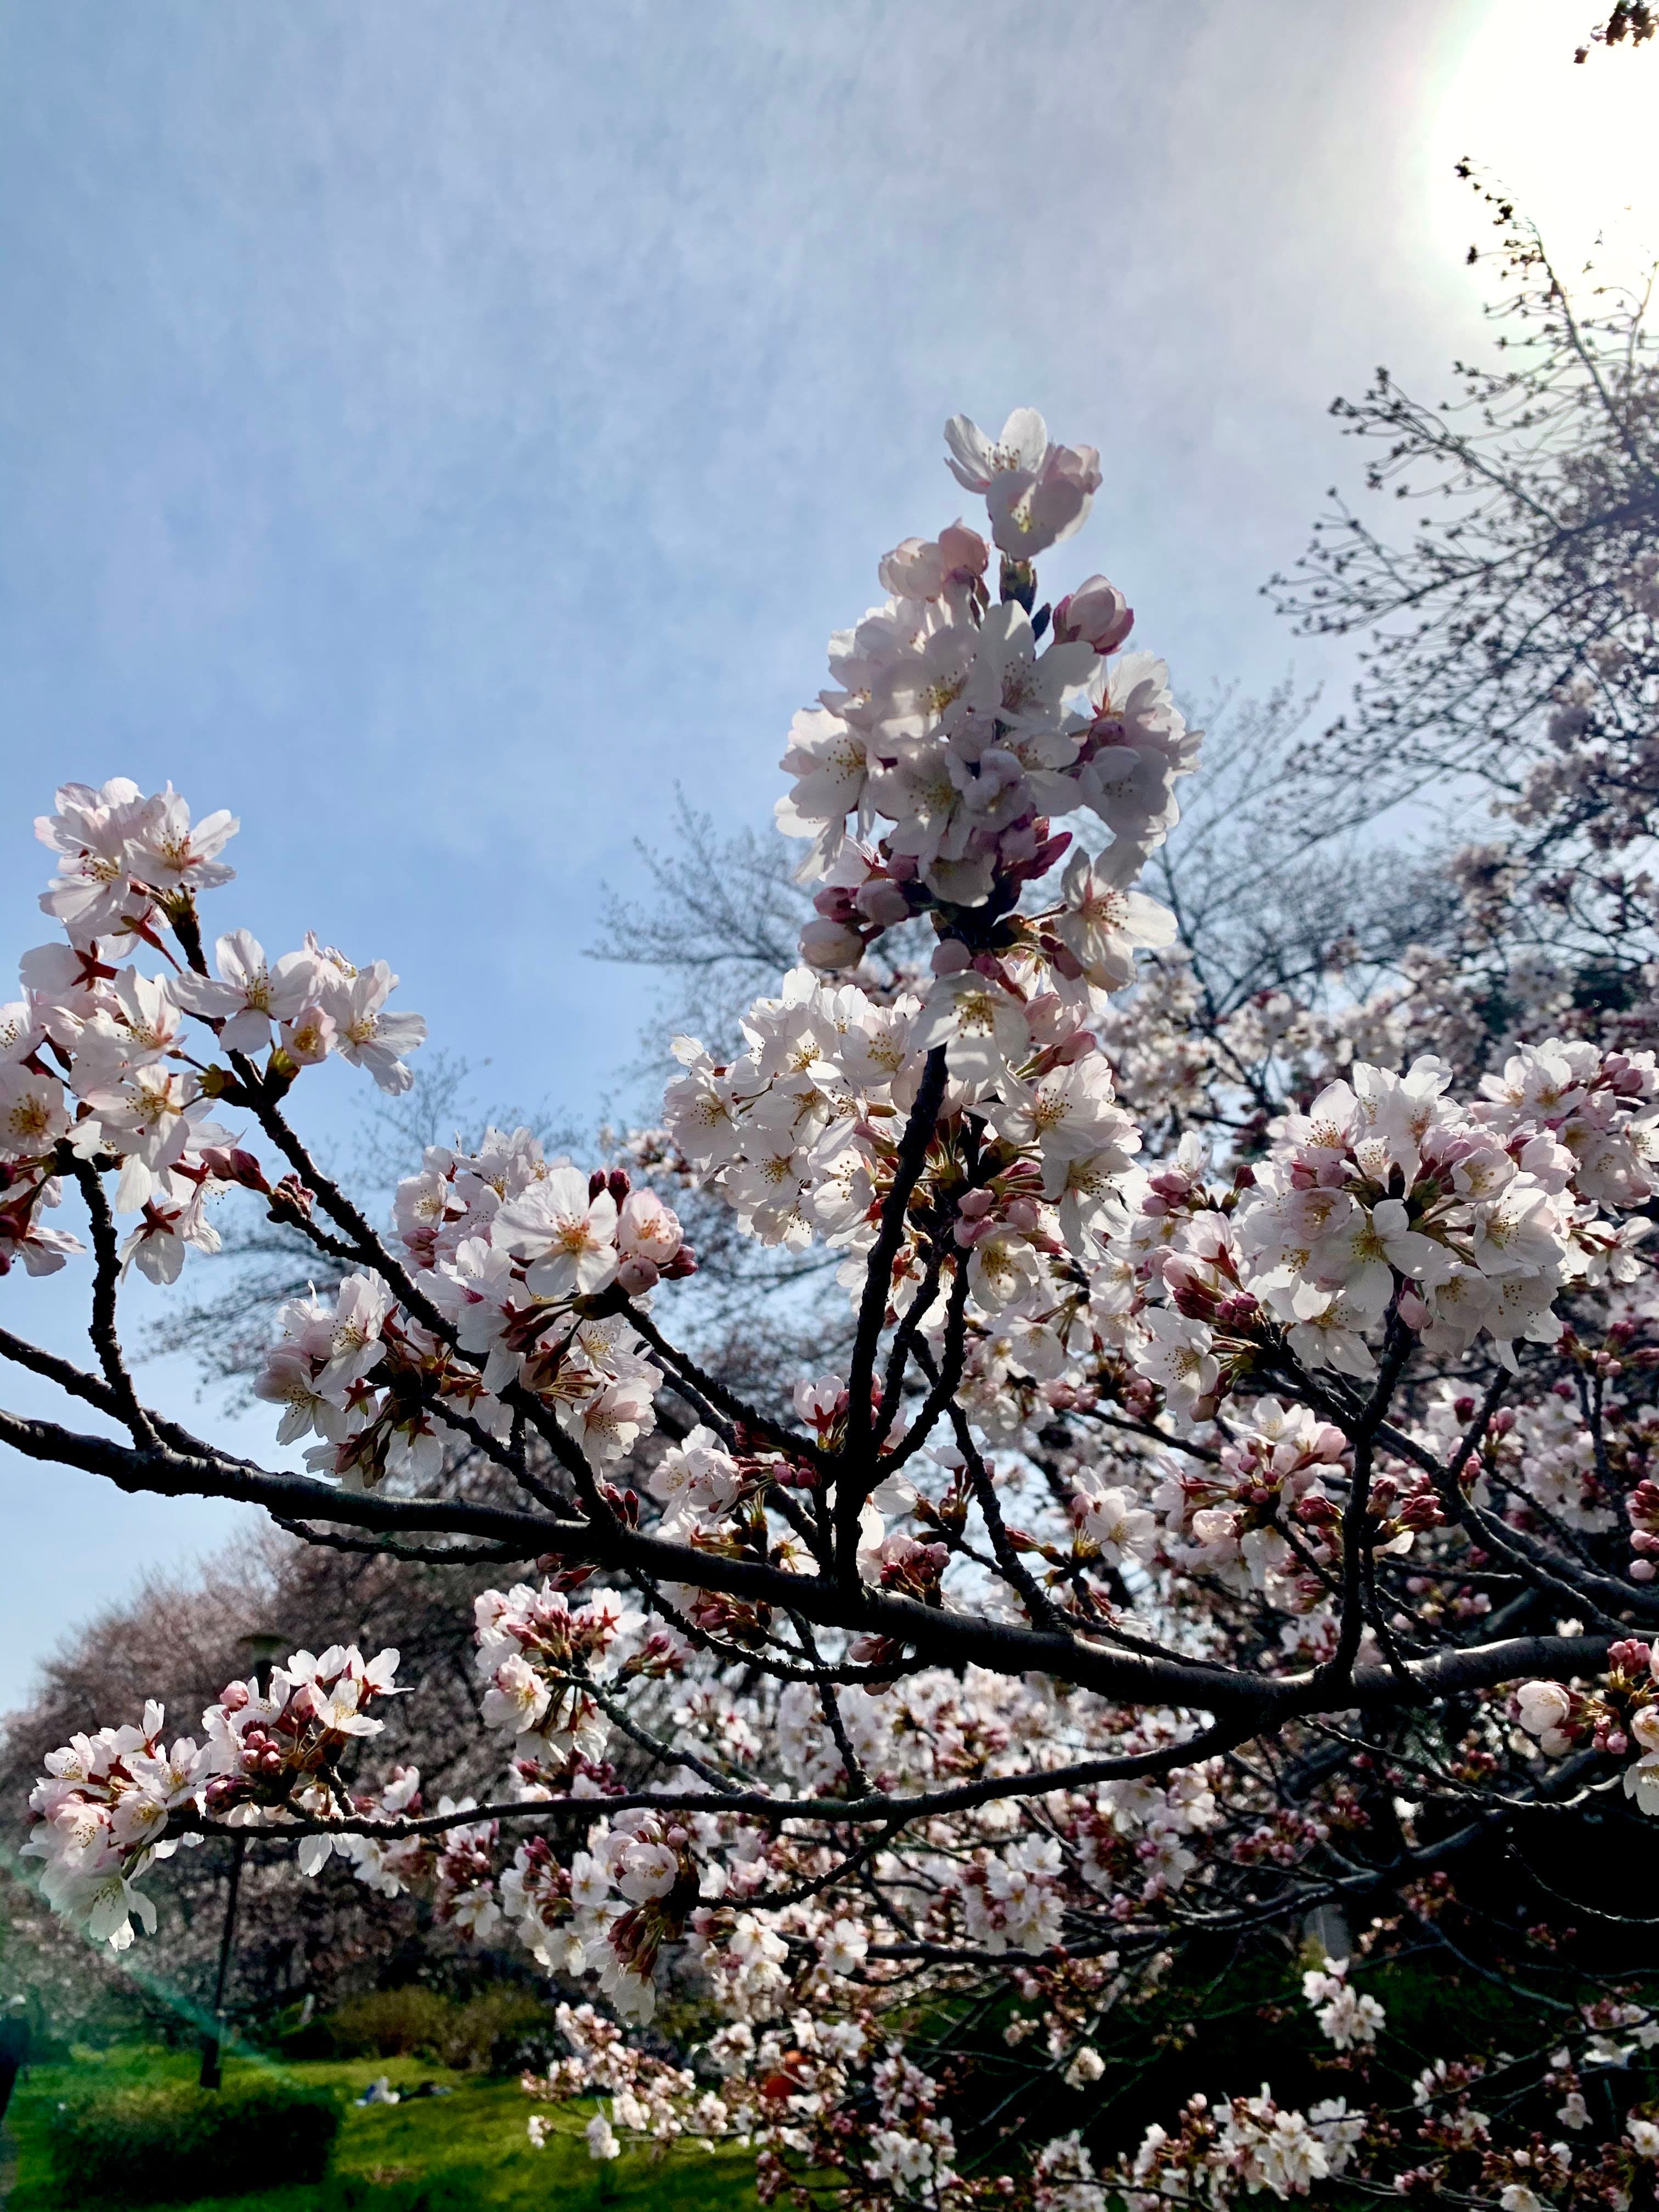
434, 2155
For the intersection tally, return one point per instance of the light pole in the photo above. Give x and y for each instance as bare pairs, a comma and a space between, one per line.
263, 1646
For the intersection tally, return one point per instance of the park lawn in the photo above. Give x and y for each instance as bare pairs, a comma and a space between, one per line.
429, 2154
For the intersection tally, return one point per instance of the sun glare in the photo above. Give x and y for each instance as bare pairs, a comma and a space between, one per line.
1578, 146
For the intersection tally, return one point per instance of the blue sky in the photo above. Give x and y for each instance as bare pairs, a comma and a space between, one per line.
435, 431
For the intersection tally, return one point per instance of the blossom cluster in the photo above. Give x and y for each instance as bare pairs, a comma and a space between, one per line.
800, 1135
1390, 1201
649, 2098
951, 719
1347, 2017
1616, 1716
112, 1803
96, 1064
775, 2091
1238, 2147
506, 1252
543, 1658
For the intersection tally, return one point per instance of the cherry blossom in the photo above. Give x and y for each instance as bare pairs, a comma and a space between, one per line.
1149, 1410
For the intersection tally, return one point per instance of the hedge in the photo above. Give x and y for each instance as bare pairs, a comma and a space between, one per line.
146, 2146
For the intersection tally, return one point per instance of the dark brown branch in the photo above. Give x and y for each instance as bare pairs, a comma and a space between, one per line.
105, 1282
851, 1463
945, 1637
878, 1806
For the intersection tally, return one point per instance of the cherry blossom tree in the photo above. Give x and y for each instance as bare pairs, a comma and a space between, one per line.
1509, 655
1226, 1525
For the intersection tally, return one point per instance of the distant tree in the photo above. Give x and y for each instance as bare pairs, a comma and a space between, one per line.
1510, 645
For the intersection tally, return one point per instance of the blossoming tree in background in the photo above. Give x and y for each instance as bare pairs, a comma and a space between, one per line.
1229, 1524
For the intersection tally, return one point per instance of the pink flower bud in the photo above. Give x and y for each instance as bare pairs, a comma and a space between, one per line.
1097, 612
230, 1164
827, 945
951, 957
921, 567
637, 1276
882, 902
912, 570
966, 553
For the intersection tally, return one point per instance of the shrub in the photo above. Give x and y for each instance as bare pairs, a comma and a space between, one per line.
141, 2146
496, 2030
389, 2023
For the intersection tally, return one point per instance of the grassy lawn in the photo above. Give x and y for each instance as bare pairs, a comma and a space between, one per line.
431, 2155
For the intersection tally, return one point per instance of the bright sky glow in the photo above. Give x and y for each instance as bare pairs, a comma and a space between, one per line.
1578, 147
